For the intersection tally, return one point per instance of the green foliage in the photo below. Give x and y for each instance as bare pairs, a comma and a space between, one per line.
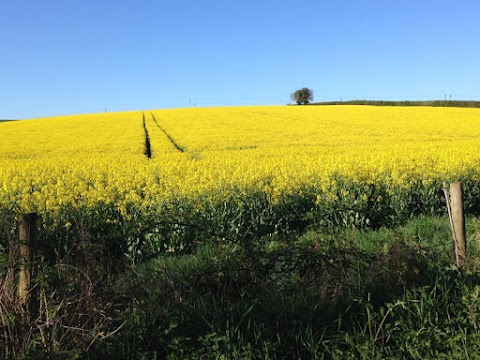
434, 103
302, 96
307, 275
318, 296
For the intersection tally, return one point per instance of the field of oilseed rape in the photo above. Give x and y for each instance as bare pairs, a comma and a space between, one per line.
236, 171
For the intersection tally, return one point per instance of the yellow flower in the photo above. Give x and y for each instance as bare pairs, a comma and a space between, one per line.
214, 153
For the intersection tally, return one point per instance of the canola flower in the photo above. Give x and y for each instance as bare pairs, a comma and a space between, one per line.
215, 153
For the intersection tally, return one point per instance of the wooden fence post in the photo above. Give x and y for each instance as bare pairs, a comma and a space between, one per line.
27, 242
458, 220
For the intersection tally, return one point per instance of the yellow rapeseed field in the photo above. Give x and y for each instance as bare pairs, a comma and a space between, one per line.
213, 152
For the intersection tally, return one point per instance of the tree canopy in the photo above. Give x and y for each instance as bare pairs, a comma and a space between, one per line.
302, 96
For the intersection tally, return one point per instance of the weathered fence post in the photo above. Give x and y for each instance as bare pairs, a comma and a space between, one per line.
458, 222
27, 242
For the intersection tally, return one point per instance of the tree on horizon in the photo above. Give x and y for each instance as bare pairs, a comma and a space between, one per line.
302, 96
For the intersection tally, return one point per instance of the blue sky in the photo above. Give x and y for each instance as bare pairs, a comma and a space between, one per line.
71, 56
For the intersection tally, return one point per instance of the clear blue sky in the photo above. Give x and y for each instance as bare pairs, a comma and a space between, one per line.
81, 56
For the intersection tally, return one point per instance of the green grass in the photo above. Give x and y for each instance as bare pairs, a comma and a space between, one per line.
345, 293
327, 292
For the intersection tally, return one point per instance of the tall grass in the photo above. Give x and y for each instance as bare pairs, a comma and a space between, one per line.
349, 294
244, 283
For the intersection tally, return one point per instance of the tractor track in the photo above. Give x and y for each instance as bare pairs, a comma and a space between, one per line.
172, 140
148, 146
